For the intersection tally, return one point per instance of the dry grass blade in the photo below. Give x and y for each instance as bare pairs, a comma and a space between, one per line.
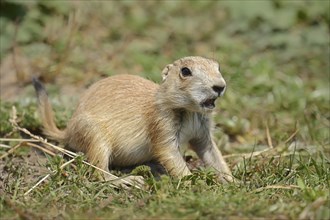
13, 121
37, 184
245, 155
277, 187
11, 150
23, 141
41, 148
269, 139
263, 153
18, 140
5, 146
292, 136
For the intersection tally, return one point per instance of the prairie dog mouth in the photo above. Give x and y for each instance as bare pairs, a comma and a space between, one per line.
209, 103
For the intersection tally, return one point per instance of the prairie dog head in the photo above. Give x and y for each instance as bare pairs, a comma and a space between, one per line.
193, 83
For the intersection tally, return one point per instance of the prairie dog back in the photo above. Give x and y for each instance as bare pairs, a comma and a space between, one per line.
115, 111
126, 120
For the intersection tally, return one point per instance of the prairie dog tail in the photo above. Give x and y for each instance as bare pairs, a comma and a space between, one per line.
46, 113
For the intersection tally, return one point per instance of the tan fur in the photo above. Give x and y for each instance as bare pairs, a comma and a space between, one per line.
127, 120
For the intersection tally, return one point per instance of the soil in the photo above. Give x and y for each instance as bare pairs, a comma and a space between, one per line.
27, 168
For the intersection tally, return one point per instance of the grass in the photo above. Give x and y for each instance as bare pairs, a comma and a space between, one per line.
274, 56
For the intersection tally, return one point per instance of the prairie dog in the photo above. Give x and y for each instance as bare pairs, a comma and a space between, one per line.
127, 120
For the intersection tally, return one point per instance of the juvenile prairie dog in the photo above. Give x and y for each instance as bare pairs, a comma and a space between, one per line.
126, 120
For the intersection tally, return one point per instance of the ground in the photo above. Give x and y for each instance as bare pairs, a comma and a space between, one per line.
272, 124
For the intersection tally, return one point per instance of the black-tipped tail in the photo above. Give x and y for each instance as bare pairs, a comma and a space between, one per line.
46, 112
38, 86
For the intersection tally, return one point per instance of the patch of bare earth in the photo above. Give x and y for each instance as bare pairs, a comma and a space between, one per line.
26, 168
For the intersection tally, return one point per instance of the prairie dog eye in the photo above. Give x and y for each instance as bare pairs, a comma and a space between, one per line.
185, 72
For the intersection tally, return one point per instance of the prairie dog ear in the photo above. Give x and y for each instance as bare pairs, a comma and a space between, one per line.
166, 70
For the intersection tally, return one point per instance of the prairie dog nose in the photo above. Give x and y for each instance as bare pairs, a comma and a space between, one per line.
219, 89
